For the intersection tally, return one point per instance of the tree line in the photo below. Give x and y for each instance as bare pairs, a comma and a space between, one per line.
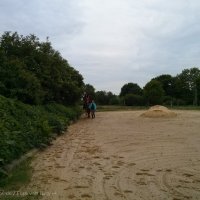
34, 73
182, 89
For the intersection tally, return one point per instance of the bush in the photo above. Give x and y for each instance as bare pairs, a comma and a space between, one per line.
23, 127
114, 101
133, 100
153, 92
34, 73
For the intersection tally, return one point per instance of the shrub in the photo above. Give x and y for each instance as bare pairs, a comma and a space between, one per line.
133, 100
34, 73
23, 127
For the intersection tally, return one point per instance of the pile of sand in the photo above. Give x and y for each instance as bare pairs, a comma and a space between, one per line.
159, 111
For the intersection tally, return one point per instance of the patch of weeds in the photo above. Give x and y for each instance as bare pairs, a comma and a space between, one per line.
16, 179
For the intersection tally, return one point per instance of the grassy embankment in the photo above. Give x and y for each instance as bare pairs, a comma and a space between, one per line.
11, 185
22, 128
103, 108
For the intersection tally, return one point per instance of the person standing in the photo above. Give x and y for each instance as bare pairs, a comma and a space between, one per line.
93, 108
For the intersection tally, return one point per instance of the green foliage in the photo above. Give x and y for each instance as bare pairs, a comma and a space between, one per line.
114, 100
188, 86
133, 100
153, 92
106, 98
119, 108
131, 88
90, 90
17, 178
20, 175
183, 89
34, 73
23, 127
168, 84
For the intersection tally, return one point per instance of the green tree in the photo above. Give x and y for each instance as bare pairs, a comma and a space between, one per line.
198, 90
133, 100
89, 89
33, 72
130, 88
153, 92
101, 98
106, 98
168, 83
115, 100
187, 86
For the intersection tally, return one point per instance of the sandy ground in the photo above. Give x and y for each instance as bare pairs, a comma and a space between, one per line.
120, 155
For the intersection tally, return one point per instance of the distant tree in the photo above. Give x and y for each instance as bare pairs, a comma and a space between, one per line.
153, 92
101, 98
168, 83
111, 97
106, 98
130, 88
133, 100
114, 100
89, 89
198, 91
187, 85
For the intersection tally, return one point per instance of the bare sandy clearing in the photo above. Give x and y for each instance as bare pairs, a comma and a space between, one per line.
121, 155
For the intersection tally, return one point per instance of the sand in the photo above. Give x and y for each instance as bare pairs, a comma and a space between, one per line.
121, 155
158, 111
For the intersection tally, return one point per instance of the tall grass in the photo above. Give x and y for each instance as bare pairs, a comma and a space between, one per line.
10, 186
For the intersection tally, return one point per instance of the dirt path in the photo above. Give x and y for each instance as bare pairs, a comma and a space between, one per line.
120, 155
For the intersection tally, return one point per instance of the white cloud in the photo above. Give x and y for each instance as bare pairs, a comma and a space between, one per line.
112, 42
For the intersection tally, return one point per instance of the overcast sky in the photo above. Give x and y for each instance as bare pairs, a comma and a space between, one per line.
113, 42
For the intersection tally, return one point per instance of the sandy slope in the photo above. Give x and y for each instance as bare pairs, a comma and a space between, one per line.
120, 155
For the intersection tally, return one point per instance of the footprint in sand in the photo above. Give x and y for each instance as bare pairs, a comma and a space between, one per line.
96, 157
86, 196
118, 194
128, 191
71, 196
89, 168
115, 166
196, 181
144, 173
59, 166
63, 180
144, 170
96, 163
188, 175
131, 164
141, 183
106, 178
120, 163
81, 186
56, 179
58, 156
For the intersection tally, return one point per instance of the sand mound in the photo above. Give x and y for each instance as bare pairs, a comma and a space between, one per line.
159, 111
